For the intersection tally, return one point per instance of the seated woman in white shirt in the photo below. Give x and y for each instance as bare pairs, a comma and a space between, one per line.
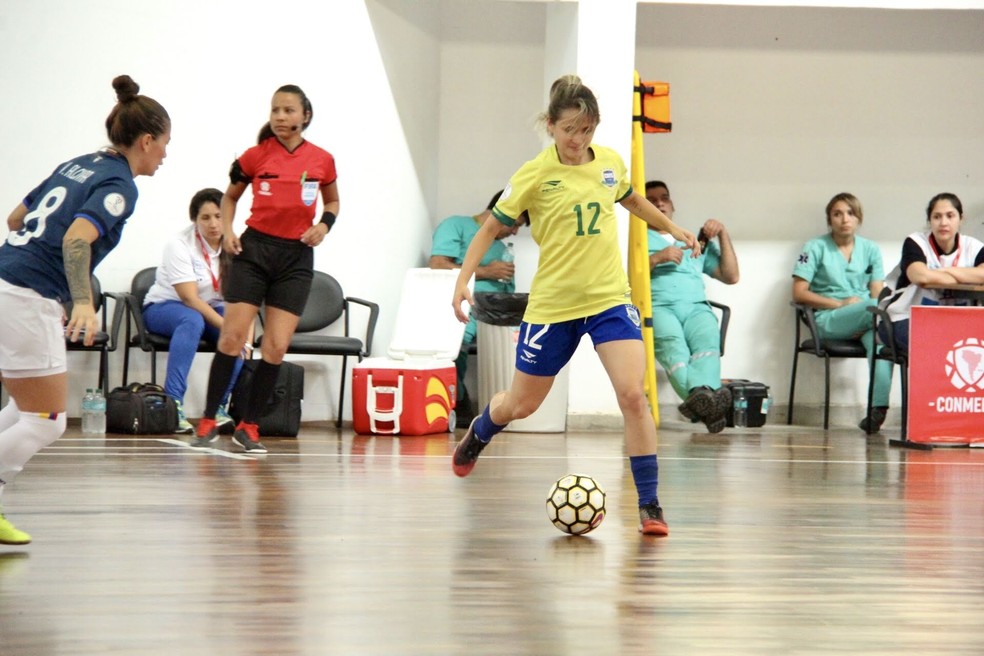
940, 255
185, 302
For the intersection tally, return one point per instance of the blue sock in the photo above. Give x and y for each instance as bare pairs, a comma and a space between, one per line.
485, 429
645, 473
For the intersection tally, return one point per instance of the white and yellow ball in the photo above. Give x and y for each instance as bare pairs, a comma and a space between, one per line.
576, 504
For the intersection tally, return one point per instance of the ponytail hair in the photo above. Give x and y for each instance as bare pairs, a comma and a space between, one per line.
568, 92
266, 131
134, 115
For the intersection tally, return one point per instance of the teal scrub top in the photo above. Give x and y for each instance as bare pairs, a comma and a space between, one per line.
674, 283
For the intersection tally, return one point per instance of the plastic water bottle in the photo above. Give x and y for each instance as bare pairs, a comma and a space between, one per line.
99, 412
508, 256
741, 407
89, 411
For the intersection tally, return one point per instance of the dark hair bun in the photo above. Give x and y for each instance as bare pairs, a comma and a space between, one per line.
126, 88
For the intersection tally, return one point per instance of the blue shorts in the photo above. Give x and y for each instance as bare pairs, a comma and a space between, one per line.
544, 348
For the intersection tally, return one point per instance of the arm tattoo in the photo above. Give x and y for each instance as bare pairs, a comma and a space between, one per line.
77, 254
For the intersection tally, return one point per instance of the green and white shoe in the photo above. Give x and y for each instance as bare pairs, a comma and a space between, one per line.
184, 426
10, 534
222, 417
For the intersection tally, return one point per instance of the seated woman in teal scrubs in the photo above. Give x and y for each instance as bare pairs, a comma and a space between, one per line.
840, 274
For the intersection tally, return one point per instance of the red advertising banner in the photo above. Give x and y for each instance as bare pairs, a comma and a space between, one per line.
946, 375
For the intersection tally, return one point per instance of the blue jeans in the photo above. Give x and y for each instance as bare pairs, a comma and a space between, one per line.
185, 327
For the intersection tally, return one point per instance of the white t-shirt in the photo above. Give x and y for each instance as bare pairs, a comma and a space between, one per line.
184, 261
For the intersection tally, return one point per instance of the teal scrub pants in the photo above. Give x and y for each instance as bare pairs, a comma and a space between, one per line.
688, 345
849, 322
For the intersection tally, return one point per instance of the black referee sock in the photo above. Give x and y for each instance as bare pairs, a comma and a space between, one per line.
218, 381
264, 380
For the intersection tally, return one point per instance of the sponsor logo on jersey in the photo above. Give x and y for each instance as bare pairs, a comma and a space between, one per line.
265, 189
115, 204
608, 178
551, 186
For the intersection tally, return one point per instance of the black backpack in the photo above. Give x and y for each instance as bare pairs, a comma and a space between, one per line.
282, 415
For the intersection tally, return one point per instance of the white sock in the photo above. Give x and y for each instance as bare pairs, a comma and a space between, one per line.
31, 433
9, 415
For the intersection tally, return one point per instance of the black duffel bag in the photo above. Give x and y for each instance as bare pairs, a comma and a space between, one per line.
141, 409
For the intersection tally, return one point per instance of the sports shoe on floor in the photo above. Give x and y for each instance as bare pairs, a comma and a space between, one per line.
10, 534
184, 426
873, 422
466, 453
651, 520
222, 417
206, 434
248, 437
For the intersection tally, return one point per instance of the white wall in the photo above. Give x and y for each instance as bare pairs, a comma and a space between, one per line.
214, 66
429, 106
774, 111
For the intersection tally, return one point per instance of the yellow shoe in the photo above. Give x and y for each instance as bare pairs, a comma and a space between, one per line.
9, 534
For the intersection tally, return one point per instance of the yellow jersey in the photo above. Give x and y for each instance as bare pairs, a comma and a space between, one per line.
572, 219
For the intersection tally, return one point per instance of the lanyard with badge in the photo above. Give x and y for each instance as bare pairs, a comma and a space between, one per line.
208, 260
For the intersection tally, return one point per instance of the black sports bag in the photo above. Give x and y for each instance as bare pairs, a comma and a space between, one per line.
141, 409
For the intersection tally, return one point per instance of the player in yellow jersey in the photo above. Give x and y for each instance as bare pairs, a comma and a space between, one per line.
569, 192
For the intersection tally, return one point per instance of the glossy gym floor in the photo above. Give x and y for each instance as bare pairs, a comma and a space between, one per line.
784, 540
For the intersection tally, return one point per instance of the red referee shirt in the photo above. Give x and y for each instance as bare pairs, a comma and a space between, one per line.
286, 186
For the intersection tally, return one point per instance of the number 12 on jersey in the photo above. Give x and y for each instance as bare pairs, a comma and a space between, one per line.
589, 213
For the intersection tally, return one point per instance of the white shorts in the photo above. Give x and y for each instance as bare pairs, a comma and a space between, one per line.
32, 333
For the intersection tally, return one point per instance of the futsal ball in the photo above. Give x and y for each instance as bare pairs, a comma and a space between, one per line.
576, 504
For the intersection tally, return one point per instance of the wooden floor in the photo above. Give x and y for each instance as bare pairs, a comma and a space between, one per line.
783, 541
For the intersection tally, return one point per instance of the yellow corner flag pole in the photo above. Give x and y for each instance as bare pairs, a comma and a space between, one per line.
639, 253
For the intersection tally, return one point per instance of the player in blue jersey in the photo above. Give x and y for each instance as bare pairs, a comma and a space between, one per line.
60, 231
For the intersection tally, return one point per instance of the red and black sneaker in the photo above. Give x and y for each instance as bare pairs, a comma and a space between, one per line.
466, 453
206, 433
651, 520
248, 437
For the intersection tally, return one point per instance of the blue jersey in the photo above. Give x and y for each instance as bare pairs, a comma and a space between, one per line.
97, 187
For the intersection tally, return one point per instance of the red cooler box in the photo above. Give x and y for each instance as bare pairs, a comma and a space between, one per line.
403, 397
413, 391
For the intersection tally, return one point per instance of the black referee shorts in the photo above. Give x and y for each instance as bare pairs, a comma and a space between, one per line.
272, 270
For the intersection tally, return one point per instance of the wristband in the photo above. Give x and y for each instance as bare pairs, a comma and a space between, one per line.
328, 218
